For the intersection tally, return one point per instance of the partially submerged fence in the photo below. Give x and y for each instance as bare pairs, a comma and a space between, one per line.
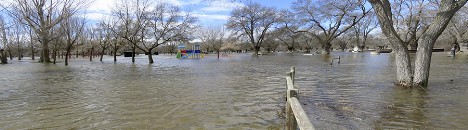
295, 115
339, 60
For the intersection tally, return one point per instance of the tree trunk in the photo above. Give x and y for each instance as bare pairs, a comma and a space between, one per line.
413, 44
115, 54
150, 56
54, 55
424, 53
133, 54
217, 51
290, 49
102, 53
256, 50
3, 58
32, 52
361, 48
91, 54
403, 66
19, 52
402, 59
326, 47
67, 55
45, 51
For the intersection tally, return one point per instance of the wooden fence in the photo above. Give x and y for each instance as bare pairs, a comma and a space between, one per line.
295, 115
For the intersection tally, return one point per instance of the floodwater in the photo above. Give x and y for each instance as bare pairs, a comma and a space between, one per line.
236, 92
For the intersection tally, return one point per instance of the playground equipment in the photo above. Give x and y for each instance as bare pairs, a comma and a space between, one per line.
194, 53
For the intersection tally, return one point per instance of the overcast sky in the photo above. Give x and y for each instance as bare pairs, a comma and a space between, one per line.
213, 13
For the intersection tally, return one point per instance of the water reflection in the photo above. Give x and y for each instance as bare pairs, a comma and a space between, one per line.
405, 110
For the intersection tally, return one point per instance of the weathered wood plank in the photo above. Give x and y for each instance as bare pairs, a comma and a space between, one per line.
301, 117
293, 74
289, 83
290, 119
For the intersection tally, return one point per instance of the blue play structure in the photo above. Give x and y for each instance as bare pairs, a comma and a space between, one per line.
194, 53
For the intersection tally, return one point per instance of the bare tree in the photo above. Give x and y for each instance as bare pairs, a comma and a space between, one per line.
90, 39
32, 42
43, 15
362, 30
56, 43
253, 21
72, 29
270, 43
5, 41
104, 38
405, 76
132, 15
307, 42
326, 20
213, 37
112, 33
411, 19
171, 48
17, 37
458, 26
288, 37
165, 23
344, 41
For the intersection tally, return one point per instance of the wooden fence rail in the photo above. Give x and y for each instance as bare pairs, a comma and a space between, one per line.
339, 60
295, 115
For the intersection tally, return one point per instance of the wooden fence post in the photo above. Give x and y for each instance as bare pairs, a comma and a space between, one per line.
293, 74
294, 113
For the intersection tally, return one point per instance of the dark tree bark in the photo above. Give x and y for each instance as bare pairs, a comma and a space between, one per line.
256, 50
133, 53
150, 56
102, 53
3, 58
54, 54
67, 55
91, 54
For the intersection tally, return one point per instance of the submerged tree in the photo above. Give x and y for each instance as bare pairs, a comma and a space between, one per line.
72, 30
131, 23
165, 23
458, 26
405, 75
113, 31
362, 30
104, 38
213, 37
5, 41
253, 21
43, 15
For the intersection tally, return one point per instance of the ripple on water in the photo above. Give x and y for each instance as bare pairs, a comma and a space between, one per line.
235, 92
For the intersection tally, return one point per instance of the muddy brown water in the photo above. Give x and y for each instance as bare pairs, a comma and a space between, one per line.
236, 92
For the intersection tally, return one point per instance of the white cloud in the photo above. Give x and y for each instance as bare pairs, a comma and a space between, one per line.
206, 11
174, 2
222, 6
212, 16
95, 16
102, 6
216, 9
